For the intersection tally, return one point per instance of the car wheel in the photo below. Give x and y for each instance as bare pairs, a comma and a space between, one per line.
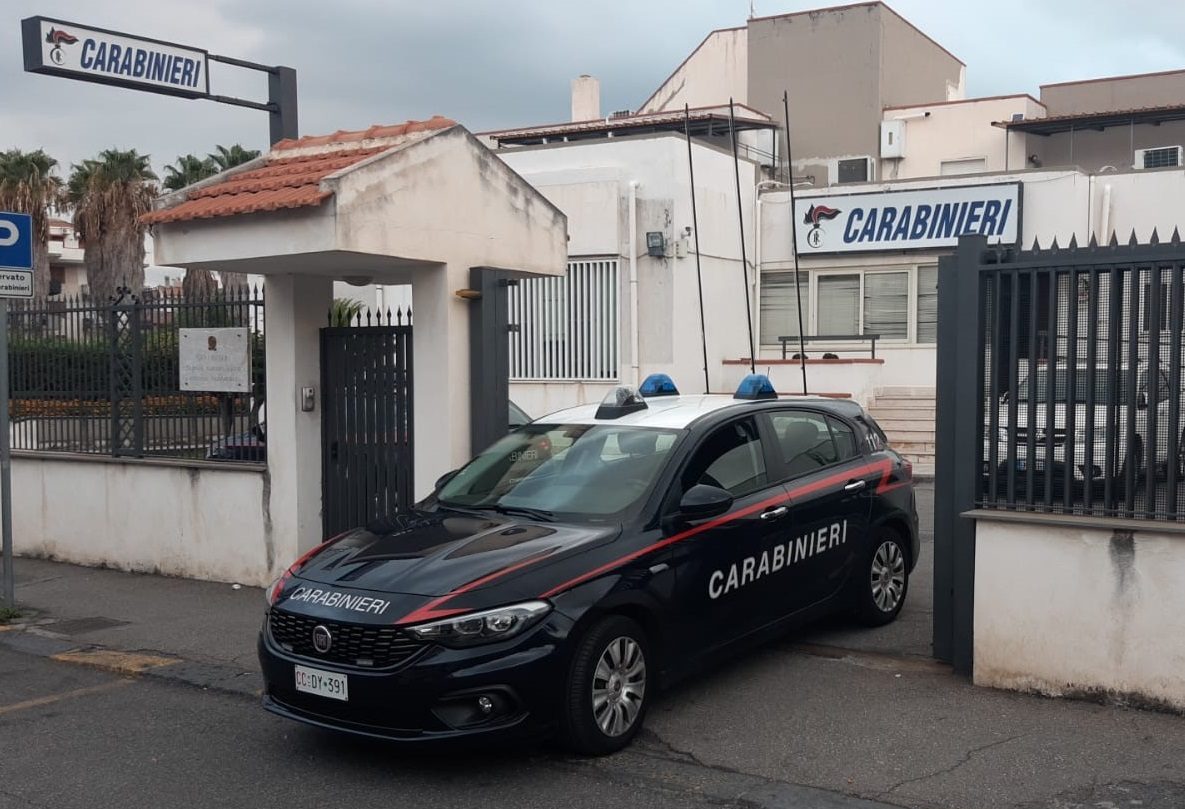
605, 696
884, 580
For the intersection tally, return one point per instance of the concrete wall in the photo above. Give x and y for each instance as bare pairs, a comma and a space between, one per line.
716, 71
914, 67
203, 523
960, 130
1080, 611
1117, 93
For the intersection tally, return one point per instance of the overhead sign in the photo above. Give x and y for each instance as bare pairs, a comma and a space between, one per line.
16, 255
75, 51
215, 360
907, 220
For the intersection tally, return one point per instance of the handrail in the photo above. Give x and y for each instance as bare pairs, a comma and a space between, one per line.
830, 338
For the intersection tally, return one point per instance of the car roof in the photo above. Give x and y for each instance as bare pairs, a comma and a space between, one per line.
678, 412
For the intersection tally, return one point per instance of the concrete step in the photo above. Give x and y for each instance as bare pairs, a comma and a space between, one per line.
922, 470
902, 392
901, 402
911, 439
908, 424
920, 412
913, 447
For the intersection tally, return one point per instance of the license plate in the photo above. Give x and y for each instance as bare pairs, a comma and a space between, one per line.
322, 683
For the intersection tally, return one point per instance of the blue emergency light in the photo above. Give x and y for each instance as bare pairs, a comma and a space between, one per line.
658, 385
755, 386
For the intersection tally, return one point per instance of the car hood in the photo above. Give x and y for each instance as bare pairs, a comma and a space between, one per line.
435, 553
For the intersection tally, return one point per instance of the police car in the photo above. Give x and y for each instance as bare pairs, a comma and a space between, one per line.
553, 584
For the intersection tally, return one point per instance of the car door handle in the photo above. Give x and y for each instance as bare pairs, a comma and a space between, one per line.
855, 485
775, 513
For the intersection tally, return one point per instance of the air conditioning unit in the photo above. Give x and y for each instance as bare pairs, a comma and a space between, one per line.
853, 170
893, 139
1161, 157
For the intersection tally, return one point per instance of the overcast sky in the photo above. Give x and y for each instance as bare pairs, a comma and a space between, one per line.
508, 63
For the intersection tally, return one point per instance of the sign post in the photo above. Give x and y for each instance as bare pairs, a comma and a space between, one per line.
16, 281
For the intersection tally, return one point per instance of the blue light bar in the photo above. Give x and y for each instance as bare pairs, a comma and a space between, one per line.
658, 385
755, 386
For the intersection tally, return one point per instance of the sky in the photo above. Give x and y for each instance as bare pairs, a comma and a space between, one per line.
501, 64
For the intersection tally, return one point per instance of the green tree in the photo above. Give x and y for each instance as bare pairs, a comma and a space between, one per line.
110, 194
345, 311
236, 155
187, 170
29, 185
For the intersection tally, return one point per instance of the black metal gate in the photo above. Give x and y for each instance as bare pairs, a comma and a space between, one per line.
367, 427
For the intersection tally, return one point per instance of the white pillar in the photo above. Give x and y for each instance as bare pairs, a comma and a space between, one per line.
441, 358
297, 308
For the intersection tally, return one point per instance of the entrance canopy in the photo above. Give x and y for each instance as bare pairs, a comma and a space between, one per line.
374, 203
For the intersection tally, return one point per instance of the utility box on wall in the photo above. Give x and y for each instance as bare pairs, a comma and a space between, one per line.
892, 139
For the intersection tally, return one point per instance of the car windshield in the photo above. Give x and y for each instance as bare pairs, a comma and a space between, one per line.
1103, 390
569, 471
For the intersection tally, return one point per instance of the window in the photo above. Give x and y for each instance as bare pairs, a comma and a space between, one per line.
886, 305
779, 305
805, 440
852, 170
927, 304
839, 304
1159, 158
845, 439
731, 459
967, 165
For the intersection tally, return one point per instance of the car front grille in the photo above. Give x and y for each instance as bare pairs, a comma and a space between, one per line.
364, 646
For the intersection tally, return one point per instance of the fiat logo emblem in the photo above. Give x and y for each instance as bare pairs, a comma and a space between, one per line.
322, 639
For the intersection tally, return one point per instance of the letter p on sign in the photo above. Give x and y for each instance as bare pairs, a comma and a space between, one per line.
16, 241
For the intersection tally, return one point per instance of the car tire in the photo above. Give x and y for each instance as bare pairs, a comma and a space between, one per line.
606, 694
883, 579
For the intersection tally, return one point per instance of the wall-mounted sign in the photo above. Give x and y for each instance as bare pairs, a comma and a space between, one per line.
93, 54
16, 255
215, 360
907, 220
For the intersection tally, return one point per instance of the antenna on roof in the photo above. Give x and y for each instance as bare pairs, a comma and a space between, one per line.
752, 12
699, 278
736, 167
794, 239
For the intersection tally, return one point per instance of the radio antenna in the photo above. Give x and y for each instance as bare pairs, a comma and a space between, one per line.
736, 166
699, 278
794, 239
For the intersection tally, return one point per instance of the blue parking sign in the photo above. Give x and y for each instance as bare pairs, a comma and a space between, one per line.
16, 241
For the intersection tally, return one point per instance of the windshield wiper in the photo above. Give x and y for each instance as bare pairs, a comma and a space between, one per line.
541, 514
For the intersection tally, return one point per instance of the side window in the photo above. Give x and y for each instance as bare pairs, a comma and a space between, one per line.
805, 441
845, 439
731, 458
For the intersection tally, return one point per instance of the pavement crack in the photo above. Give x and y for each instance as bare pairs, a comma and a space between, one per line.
965, 759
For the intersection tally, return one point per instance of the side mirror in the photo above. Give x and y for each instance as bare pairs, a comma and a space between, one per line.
445, 478
702, 501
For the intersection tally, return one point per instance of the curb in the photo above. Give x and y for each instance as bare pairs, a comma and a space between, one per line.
33, 640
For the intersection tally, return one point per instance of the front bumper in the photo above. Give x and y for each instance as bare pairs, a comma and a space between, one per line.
433, 696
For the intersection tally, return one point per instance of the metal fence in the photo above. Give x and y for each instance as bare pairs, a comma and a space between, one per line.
1080, 383
103, 378
566, 327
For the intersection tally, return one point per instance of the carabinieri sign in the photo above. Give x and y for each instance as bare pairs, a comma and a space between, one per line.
907, 220
108, 57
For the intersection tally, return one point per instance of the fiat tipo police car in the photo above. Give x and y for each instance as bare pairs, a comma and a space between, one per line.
586, 559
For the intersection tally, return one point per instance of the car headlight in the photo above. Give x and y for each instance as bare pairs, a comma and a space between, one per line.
488, 626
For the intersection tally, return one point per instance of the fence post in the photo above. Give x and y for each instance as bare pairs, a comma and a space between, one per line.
127, 382
956, 434
489, 358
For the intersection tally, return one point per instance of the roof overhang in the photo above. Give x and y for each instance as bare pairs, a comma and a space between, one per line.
1094, 120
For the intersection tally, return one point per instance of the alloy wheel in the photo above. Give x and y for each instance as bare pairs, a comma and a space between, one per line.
888, 576
619, 686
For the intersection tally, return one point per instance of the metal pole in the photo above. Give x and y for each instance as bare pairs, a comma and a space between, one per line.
281, 91
699, 278
736, 166
794, 243
5, 463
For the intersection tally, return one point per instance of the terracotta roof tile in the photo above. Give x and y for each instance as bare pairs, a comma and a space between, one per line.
291, 177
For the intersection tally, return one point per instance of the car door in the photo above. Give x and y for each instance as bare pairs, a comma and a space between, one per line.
830, 483
717, 563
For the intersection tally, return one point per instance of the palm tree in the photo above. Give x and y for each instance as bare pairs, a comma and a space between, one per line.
109, 195
345, 311
236, 155
187, 170
28, 185
224, 158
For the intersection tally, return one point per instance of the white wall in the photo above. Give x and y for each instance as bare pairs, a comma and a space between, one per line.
714, 72
199, 523
590, 182
1080, 611
960, 130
